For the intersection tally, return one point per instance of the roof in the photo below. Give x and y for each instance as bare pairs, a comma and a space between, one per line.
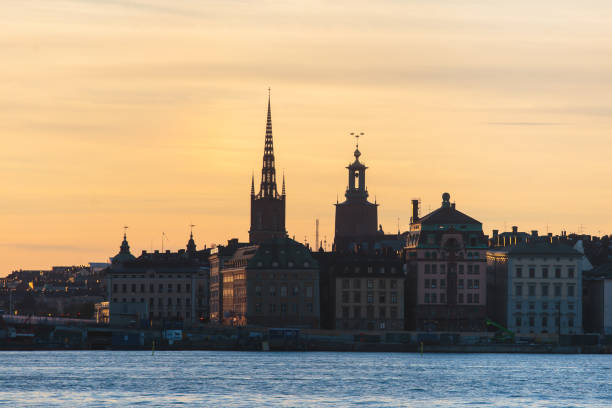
602, 272
447, 215
280, 252
543, 248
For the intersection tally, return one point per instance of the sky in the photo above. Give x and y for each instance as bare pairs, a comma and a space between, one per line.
151, 114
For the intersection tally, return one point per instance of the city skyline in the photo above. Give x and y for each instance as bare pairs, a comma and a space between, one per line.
107, 129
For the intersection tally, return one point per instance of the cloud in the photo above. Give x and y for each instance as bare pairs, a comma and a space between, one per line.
524, 123
48, 247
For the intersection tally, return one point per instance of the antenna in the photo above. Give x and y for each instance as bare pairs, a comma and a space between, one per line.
325, 243
317, 234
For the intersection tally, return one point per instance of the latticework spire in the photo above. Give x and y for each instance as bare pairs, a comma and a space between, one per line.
284, 183
268, 171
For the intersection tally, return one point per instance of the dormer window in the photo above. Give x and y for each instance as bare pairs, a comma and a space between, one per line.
306, 264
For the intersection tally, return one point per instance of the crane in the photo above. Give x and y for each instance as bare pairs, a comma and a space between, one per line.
502, 334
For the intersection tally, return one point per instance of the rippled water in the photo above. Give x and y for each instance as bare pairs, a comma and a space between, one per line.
247, 379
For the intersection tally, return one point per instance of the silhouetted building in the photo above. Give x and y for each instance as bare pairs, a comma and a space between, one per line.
597, 300
273, 284
445, 257
356, 217
267, 207
361, 291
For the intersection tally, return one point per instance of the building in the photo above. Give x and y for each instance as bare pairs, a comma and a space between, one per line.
538, 288
356, 217
361, 291
597, 300
445, 258
267, 207
272, 284
218, 257
173, 285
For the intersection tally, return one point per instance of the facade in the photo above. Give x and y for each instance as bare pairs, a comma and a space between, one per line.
361, 291
172, 286
597, 300
445, 258
542, 283
356, 217
273, 284
267, 207
218, 257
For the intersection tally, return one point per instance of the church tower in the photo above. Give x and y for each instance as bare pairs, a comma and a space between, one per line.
356, 217
267, 207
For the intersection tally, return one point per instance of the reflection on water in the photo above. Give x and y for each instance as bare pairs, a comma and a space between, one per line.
247, 379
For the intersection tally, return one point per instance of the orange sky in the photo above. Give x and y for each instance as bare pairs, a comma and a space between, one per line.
152, 114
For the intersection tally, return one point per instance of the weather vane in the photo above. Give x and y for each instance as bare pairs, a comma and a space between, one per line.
357, 136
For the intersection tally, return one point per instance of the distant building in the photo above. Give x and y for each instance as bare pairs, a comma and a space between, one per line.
537, 288
267, 207
597, 300
102, 312
173, 285
361, 291
218, 258
273, 284
445, 257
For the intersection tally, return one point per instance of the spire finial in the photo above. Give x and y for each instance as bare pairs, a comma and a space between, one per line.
253, 183
283, 181
125, 227
191, 230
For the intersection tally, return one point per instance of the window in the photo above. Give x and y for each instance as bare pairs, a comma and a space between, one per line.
370, 312
570, 306
532, 290
283, 291
544, 321
272, 290
382, 297
169, 301
545, 273
558, 273
188, 302
370, 284
283, 308
272, 308
531, 321
357, 297
393, 312
518, 290
544, 290
309, 307
115, 287
160, 288
178, 302
469, 298
187, 287
296, 290
476, 267
133, 287
433, 283
345, 283
442, 298
434, 268
470, 284
470, 269
570, 322
427, 283
393, 284
169, 288
345, 297
124, 287
531, 306
427, 298
381, 283
345, 312
159, 302
394, 297
532, 272
434, 298
427, 268
178, 288
382, 312
309, 291
151, 288
570, 273
442, 283
442, 269
544, 305
142, 288
519, 272
258, 307
570, 290
257, 290
461, 268
476, 298
476, 283
460, 298
370, 297
460, 283
357, 312
357, 283
518, 322
557, 290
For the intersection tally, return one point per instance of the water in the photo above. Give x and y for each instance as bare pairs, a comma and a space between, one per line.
248, 379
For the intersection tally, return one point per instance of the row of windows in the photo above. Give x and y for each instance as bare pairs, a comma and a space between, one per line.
461, 283
284, 290
471, 298
544, 272
283, 308
370, 283
369, 269
461, 268
544, 322
382, 297
134, 288
470, 255
545, 290
370, 312
532, 306
179, 302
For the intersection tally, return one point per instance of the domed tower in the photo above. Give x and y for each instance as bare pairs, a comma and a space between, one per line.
124, 254
267, 207
356, 217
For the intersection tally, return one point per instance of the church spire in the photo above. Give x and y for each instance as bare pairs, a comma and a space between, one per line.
283, 183
253, 184
268, 170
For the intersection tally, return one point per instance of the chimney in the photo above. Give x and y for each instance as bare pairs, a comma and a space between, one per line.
415, 211
514, 229
550, 237
534, 233
453, 206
